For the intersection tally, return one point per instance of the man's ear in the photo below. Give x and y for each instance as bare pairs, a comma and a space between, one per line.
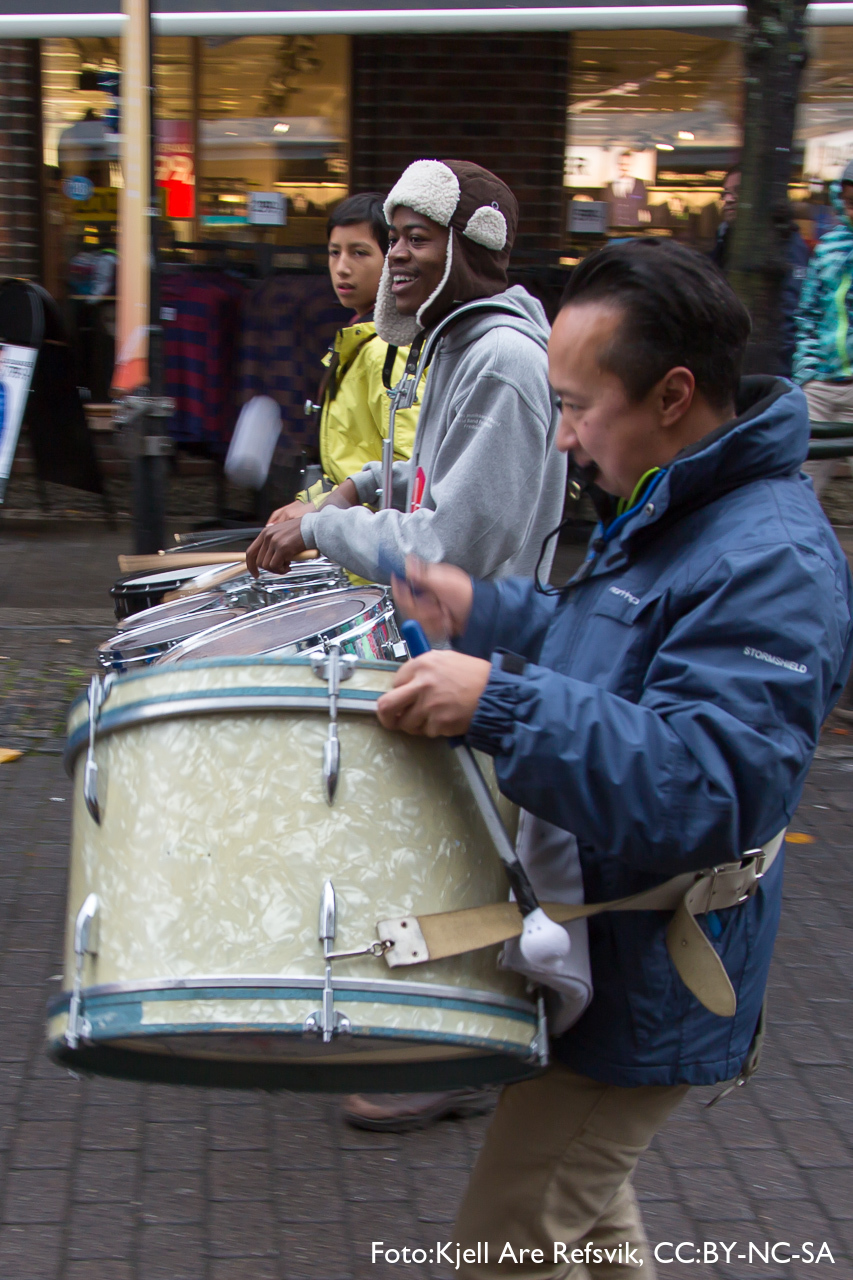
676, 391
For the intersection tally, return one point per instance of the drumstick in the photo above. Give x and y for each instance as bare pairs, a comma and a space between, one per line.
195, 541
542, 940
190, 560
206, 582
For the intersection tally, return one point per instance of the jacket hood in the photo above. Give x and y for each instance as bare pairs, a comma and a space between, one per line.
768, 439
482, 215
519, 310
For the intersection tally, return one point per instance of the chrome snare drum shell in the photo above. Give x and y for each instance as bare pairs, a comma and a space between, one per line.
360, 619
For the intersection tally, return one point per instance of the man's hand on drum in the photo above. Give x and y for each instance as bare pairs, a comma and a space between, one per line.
438, 596
435, 695
275, 547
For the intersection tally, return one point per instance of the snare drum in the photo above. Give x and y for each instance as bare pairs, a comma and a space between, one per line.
360, 619
252, 593
141, 591
192, 925
133, 594
140, 646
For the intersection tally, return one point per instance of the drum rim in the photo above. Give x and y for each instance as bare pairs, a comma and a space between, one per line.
202, 702
507, 1006
130, 636
377, 612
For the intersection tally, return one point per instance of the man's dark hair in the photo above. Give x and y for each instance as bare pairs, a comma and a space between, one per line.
368, 208
678, 310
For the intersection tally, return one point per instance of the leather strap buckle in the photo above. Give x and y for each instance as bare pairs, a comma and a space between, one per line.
753, 859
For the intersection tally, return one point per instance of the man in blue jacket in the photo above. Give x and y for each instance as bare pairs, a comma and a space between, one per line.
664, 706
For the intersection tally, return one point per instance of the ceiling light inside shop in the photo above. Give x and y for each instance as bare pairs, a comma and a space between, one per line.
664, 146
281, 127
686, 136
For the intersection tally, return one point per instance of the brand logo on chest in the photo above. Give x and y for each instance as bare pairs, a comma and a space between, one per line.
624, 595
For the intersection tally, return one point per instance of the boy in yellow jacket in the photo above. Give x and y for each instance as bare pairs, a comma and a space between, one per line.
354, 403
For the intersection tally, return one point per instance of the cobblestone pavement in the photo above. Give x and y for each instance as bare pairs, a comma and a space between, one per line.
104, 1180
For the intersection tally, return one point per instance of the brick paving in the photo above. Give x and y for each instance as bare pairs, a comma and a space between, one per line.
105, 1180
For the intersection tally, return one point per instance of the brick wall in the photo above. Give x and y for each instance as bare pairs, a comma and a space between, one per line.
20, 146
498, 100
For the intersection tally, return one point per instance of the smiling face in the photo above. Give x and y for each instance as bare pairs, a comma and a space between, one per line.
599, 423
416, 259
355, 265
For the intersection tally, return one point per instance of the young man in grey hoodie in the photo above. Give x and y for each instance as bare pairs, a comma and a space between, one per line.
485, 484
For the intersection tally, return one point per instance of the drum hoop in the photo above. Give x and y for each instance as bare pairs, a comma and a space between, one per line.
366, 619
243, 660
135, 637
177, 706
251, 987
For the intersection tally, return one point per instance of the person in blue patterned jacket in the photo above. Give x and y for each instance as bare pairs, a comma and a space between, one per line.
823, 360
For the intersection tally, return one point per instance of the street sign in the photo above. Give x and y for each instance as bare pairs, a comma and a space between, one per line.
588, 217
78, 188
267, 209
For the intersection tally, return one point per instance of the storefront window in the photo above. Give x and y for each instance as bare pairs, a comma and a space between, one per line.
653, 127
824, 124
251, 151
273, 124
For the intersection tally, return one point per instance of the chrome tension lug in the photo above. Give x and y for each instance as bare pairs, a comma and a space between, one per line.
333, 667
97, 696
85, 943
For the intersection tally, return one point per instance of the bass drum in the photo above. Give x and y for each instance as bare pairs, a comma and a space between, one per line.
360, 619
192, 949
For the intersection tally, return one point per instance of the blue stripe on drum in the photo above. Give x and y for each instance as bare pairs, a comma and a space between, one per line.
125, 1028
264, 696
93, 1004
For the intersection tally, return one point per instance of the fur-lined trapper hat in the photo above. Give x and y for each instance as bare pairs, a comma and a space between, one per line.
482, 214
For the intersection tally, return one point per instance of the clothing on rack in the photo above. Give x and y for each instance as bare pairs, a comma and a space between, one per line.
201, 317
290, 321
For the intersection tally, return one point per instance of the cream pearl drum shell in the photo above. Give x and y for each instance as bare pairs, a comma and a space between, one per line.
209, 863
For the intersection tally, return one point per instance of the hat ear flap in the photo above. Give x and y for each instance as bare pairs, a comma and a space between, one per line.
487, 226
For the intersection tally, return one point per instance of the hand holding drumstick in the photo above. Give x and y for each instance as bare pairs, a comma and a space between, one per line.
437, 693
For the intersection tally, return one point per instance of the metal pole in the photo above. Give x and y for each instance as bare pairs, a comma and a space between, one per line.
139, 368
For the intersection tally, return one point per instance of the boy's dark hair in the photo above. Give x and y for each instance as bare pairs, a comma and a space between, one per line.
368, 208
678, 310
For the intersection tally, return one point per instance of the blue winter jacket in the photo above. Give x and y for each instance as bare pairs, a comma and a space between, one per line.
668, 713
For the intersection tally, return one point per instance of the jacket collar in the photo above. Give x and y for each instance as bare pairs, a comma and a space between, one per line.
768, 439
353, 336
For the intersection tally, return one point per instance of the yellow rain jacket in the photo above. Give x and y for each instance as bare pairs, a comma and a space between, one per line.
356, 406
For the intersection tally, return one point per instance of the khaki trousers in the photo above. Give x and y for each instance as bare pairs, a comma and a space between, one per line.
828, 402
556, 1167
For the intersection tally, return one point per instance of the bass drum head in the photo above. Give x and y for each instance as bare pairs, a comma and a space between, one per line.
297, 626
247, 1060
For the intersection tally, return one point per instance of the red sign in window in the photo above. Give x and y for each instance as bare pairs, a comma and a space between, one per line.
176, 167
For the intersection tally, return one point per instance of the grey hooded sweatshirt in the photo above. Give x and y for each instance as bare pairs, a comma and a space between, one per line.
493, 482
